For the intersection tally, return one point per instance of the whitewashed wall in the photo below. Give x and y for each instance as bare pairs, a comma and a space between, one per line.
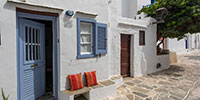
129, 8
179, 46
164, 63
109, 11
174, 44
68, 42
144, 58
8, 69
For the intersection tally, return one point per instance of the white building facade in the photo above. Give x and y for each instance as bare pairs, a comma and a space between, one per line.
190, 43
42, 42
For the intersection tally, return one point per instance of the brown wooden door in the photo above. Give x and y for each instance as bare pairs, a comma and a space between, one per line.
125, 55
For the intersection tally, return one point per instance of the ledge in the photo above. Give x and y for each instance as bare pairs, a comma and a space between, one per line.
86, 13
35, 5
133, 22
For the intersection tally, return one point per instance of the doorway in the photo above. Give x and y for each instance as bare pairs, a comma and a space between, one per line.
125, 55
37, 42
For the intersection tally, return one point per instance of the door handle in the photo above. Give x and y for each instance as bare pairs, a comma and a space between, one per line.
34, 65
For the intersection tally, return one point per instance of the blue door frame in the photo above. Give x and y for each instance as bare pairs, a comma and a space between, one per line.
55, 49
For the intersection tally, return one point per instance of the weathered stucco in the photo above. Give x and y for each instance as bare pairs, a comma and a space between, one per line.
143, 58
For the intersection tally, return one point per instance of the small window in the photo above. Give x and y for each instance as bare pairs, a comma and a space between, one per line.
86, 36
142, 38
92, 38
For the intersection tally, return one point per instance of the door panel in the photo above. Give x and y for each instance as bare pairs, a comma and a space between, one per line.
125, 55
32, 59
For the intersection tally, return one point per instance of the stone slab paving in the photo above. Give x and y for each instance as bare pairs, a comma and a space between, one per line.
179, 82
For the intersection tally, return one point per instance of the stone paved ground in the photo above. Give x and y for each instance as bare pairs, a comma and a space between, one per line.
180, 82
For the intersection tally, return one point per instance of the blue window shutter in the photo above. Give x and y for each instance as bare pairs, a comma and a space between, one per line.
101, 38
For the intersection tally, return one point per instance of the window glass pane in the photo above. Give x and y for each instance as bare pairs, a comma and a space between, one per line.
86, 28
86, 38
26, 42
86, 49
39, 44
33, 43
36, 44
142, 38
30, 43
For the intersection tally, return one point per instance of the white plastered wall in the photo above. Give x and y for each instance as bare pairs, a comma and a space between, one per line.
143, 58
8, 69
128, 8
179, 46
175, 44
67, 32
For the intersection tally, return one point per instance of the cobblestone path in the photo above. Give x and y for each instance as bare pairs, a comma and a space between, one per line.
180, 82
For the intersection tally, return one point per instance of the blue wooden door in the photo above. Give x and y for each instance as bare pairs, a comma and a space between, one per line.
32, 59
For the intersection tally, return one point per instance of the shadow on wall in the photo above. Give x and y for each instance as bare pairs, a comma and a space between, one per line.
143, 64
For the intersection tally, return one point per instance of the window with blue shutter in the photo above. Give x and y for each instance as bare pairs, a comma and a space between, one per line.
91, 38
86, 29
101, 39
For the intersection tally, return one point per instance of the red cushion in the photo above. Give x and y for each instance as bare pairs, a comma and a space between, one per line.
91, 78
75, 82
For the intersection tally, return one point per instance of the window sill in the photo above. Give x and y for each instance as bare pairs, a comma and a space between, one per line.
86, 56
133, 22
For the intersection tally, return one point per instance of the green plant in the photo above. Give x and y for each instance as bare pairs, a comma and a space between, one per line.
3, 95
183, 17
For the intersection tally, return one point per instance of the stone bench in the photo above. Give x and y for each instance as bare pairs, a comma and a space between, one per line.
97, 92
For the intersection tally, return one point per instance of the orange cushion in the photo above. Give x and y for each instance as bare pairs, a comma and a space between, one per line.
75, 82
91, 78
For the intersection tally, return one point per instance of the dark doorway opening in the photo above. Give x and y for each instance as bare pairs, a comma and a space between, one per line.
48, 60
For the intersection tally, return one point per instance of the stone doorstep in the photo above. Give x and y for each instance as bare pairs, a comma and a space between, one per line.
107, 83
116, 77
127, 79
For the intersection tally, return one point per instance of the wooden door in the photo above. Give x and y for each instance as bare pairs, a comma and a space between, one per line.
125, 55
32, 59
